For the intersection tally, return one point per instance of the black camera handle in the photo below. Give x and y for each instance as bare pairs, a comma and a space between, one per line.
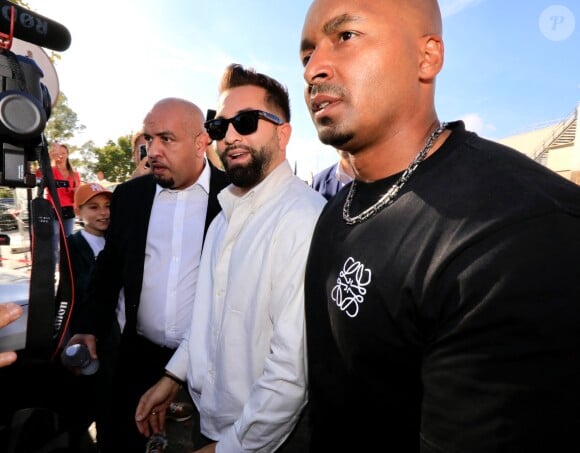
44, 340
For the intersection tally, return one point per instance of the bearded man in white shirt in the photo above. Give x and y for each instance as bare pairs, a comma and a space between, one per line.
245, 357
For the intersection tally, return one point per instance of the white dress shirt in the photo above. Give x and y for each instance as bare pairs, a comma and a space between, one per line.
245, 354
172, 256
97, 243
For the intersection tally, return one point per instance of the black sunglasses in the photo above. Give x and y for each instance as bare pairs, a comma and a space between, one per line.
245, 123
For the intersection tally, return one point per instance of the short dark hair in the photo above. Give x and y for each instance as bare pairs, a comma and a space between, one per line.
237, 75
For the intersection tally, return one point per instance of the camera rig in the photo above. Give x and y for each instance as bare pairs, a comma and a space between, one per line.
25, 107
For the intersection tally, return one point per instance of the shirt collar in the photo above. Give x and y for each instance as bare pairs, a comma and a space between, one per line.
341, 175
259, 194
202, 181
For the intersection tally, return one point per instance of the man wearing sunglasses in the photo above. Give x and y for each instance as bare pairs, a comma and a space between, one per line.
245, 358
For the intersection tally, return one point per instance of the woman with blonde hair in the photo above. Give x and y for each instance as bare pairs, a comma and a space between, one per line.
63, 171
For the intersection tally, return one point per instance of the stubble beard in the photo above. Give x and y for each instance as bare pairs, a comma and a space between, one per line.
330, 133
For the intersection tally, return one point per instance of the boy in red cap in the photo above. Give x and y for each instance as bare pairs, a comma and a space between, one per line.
92, 205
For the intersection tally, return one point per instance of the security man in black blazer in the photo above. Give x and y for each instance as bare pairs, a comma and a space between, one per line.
176, 145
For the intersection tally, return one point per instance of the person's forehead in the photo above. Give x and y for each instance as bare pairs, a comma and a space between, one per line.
325, 9
326, 17
236, 99
422, 13
163, 120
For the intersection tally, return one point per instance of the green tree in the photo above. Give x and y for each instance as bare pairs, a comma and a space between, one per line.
114, 159
63, 122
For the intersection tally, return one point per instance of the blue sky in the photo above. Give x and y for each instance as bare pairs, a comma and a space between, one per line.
510, 66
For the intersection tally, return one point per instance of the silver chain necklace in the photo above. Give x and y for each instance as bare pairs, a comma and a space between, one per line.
391, 194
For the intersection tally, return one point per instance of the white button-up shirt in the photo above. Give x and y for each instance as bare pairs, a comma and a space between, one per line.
245, 355
172, 256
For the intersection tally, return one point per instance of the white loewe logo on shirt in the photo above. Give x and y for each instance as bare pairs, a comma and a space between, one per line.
350, 288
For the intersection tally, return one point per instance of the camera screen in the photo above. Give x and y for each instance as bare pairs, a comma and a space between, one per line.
142, 151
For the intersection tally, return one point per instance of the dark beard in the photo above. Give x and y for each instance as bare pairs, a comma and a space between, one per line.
250, 175
165, 183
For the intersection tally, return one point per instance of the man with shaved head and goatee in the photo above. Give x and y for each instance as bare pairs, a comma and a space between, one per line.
151, 255
442, 287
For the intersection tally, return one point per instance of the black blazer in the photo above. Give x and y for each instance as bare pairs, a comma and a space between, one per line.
82, 261
120, 264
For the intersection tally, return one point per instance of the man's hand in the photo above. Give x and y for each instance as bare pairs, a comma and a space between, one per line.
9, 312
142, 168
152, 407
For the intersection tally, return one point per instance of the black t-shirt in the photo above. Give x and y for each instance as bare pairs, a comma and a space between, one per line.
450, 320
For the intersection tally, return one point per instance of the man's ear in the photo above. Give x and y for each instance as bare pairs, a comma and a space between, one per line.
202, 141
284, 132
77, 211
432, 56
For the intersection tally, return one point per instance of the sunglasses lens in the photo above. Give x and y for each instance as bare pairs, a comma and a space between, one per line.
246, 122
217, 129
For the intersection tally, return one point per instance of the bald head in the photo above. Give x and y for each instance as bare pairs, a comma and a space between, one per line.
426, 13
176, 142
423, 15
182, 108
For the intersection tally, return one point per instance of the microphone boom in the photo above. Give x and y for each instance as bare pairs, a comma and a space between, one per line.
34, 28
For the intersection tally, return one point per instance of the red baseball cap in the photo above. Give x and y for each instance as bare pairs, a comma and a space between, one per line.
87, 191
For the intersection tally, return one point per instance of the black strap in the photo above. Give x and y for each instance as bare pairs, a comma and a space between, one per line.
41, 293
49, 315
64, 296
